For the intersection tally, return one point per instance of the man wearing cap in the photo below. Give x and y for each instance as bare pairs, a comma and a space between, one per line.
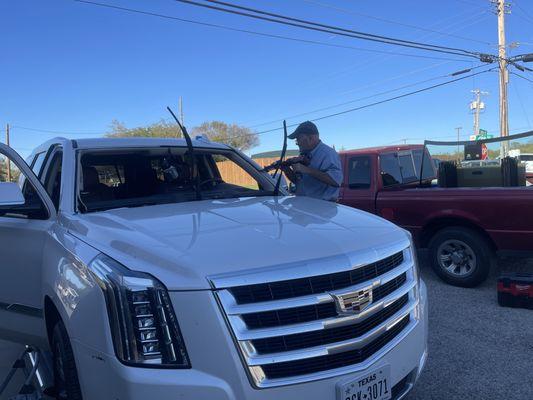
322, 178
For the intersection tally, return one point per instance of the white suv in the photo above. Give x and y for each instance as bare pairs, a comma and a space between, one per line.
146, 283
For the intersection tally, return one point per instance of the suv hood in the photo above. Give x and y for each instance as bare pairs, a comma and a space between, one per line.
184, 244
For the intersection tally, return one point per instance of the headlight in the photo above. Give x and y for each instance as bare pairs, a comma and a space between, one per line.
143, 324
415, 262
414, 255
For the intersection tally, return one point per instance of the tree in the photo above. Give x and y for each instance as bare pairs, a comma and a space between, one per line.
236, 136
3, 171
158, 129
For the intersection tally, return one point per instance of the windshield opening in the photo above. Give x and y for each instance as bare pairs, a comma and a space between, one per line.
149, 176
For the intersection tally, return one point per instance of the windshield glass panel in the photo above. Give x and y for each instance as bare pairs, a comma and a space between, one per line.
526, 157
137, 177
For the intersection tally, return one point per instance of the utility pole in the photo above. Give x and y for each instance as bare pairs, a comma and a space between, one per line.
501, 10
8, 163
477, 106
458, 129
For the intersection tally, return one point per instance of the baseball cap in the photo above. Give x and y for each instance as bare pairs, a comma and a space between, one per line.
305, 128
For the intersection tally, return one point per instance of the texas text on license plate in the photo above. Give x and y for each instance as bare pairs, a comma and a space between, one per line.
375, 385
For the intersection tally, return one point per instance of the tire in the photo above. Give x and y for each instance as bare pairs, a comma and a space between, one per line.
460, 256
67, 386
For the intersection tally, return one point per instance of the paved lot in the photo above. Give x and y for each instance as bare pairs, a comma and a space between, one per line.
477, 350
8, 353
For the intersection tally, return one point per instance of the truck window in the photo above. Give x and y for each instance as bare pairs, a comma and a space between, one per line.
429, 167
359, 171
407, 167
390, 169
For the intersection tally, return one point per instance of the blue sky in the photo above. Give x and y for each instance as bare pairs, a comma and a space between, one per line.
73, 67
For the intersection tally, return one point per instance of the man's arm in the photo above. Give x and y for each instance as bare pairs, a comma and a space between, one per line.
323, 177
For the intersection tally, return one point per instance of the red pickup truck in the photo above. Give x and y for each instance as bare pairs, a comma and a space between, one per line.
463, 228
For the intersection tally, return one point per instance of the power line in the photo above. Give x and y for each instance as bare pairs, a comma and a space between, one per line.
366, 97
56, 132
523, 77
382, 101
529, 17
470, 3
521, 104
457, 21
330, 29
388, 21
256, 33
315, 119
262, 12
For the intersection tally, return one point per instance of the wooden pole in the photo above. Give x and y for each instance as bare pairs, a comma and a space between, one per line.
8, 164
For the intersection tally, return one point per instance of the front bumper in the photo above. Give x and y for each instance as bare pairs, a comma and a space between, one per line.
217, 371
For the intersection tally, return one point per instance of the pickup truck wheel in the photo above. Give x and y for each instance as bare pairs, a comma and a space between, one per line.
67, 386
460, 256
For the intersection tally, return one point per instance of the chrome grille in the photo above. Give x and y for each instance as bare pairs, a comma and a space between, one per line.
327, 336
292, 330
314, 284
316, 364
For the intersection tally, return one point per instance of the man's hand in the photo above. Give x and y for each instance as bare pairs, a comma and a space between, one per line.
289, 173
301, 169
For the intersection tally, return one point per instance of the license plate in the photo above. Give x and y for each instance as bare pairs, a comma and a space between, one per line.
371, 386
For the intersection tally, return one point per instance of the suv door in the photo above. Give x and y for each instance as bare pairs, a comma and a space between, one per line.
23, 233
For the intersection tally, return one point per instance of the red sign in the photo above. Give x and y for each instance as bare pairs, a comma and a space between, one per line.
484, 152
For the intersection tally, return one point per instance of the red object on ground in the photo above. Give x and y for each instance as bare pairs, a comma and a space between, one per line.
516, 290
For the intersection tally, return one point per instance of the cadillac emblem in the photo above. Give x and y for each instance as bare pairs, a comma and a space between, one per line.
350, 303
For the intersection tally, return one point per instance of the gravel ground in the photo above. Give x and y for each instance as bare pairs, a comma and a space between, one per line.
477, 349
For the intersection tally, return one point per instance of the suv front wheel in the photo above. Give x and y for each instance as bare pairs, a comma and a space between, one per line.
67, 386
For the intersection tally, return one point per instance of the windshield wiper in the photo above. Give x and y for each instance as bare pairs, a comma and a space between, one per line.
192, 158
283, 151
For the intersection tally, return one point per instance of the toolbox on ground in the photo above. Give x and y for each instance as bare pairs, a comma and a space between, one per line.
515, 290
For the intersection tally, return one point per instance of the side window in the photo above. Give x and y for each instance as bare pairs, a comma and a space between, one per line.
231, 173
428, 171
37, 163
390, 169
30, 205
407, 167
52, 180
359, 172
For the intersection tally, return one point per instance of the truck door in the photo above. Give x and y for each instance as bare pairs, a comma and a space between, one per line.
359, 188
26, 216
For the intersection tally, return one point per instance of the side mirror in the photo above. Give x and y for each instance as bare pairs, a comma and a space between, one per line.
10, 194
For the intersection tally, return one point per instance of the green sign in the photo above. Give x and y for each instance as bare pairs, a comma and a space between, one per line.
483, 134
